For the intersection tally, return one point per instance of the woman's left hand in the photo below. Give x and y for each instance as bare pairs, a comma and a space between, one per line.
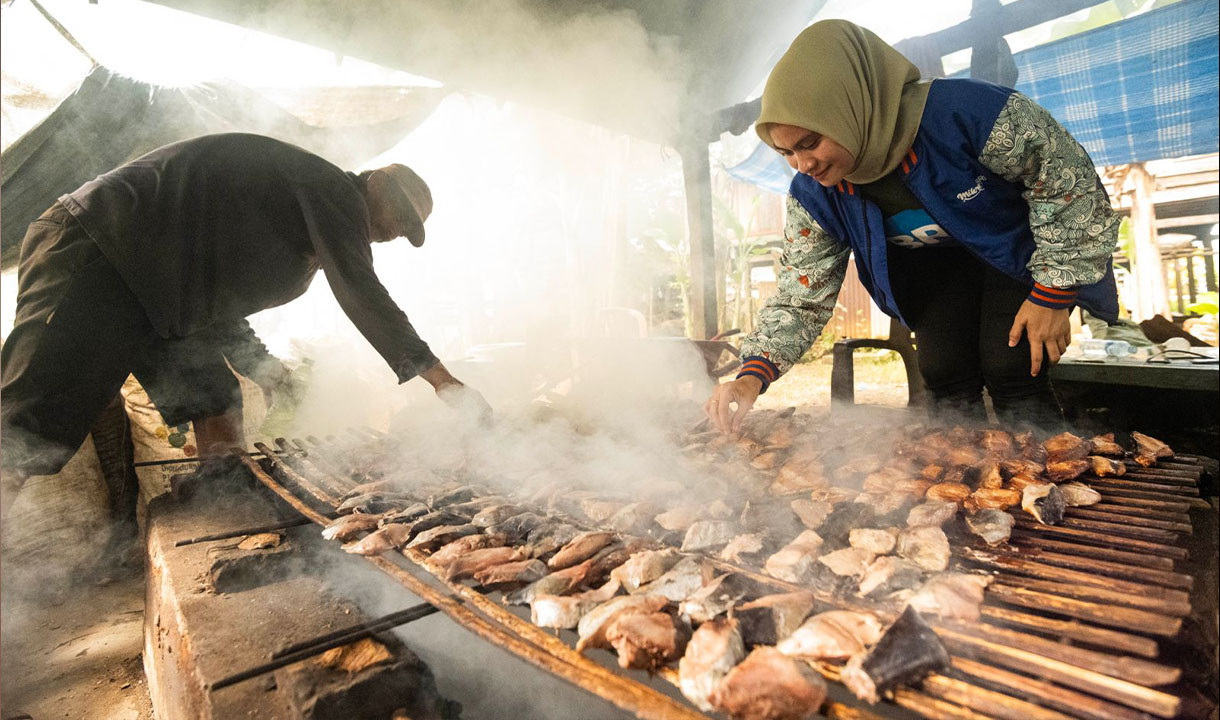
1044, 327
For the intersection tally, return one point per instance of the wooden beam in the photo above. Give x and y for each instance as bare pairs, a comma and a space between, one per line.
697, 179
1012, 18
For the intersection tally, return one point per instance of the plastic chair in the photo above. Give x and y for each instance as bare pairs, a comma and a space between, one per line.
843, 372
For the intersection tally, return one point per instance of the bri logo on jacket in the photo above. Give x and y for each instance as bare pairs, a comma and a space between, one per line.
972, 193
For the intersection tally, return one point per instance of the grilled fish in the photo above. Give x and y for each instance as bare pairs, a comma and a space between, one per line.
1105, 445
714, 649
878, 542
771, 618
647, 641
1065, 446
495, 514
510, 573
1148, 449
679, 582
926, 546
433, 538
716, 597
907, 652
832, 635
375, 502
1105, 467
580, 548
888, 575
744, 548
456, 549
644, 567
769, 686
849, 561
951, 595
347, 527
932, 513
1078, 494
795, 562
592, 627
1062, 470
812, 513
993, 526
472, 562
559, 612
708, 535
390, 537
1044, 501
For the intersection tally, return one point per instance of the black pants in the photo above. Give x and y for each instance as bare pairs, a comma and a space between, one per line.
961, 311
78, 333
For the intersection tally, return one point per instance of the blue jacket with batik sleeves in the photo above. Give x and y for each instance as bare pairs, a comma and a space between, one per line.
997, 173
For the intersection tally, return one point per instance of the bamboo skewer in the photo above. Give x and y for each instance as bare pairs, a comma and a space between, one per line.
1103, 553
1130, 694
1092, 592
1169, 551
1072, 630
993, 703
1128, 500
1129, 529
1118, 483
1190, 503
1128, 669
1071, 701
1136, 511
1148, 597
1120, 617
1124, 570
1101, 515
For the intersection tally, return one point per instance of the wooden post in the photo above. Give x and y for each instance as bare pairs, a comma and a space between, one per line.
1146, 263
697, 179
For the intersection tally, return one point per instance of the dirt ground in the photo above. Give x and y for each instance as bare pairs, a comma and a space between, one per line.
880, 380
74, 654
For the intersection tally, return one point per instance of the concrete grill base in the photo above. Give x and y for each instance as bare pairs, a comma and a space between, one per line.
214, 609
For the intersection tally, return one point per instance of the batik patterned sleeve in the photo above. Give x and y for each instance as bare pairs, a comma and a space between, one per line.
813, 267
1075, 229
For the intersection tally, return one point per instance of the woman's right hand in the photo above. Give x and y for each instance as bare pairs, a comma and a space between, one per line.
742, 393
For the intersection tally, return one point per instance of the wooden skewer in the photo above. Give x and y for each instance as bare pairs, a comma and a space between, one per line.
1165, 467
1121, 528
1135, 594
1089, 591
327, 490
1088, 513
994, 704
1073, 630
1169, 551
1115, 569
1133, 670
1136, 511
1191, 503
1120, 617
1101, 553
1130, 694
1135, 501
1077, 703
1121, 484
1160, 478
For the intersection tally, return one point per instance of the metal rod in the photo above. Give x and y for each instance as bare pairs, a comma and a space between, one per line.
359, 630
181, 461
295, 522
317, 648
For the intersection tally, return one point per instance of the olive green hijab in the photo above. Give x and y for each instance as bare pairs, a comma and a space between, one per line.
844, 82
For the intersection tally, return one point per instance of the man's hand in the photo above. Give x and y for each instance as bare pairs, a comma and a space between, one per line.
742, 392
464, 400
1045, 328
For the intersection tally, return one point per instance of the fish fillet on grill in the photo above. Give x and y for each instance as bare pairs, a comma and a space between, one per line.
1148, 449
680, 581
889, 574
874, 540
744, 548
347, 527
714, 649
932, 513
472, 562
993, 526
951, 595
849, 561
772, 618
767, 685
832, 635
1105, 467
647, 641
1066, 446
561, 612
716, 597
390, 537
795, 562
926, 546
1064, 470
519, 571
1078, 494
644, 567
592, 627
580, 548
1105, 445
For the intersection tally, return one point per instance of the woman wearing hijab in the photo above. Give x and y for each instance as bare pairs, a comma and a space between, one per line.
975, 219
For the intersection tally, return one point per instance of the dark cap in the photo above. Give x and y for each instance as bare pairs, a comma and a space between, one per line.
418, 197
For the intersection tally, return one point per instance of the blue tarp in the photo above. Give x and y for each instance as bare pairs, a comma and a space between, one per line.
1141, 89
